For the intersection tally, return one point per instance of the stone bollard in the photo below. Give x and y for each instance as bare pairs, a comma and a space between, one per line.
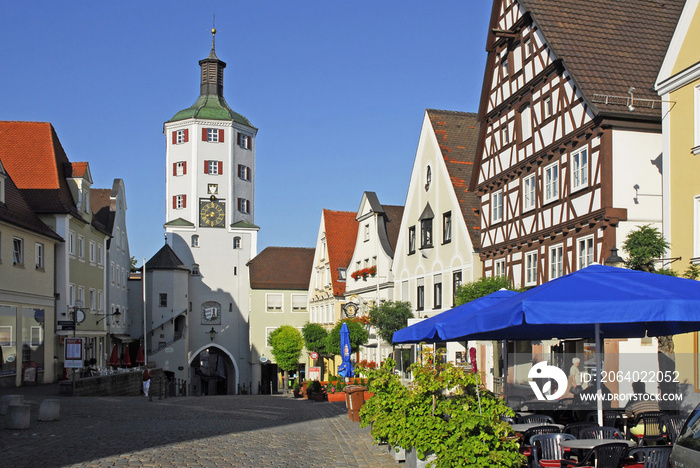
49, 410
9, 400
18, 417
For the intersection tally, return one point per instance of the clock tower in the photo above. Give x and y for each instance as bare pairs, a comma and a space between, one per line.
210, 224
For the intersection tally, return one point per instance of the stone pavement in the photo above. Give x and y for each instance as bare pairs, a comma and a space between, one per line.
257, 430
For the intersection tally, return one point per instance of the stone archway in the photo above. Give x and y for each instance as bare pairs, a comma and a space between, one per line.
213, 371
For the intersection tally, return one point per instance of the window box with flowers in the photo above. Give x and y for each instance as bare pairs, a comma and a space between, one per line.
364, 273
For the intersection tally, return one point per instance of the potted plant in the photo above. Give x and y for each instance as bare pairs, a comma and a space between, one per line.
316, 391
297, 390
335, 392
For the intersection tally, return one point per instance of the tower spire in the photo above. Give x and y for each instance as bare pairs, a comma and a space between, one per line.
213, 34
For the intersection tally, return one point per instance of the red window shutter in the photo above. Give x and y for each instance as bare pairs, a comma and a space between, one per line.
204, 134
184, 201
174, 169
221, 167
184, 166
174, 138
174, 203
206, 167
187, 135
221, 135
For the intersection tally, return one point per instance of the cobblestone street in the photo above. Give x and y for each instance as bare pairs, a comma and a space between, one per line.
260, 431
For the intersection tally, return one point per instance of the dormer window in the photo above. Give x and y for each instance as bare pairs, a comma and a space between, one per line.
86, 200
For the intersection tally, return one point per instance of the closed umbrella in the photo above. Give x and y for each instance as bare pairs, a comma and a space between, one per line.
345, 369
127, 358
114, 357
139, 356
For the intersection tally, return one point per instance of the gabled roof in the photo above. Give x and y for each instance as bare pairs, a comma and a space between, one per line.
457, 134
102, 207
165, 259
609, 46
179, 222
282, 268
16, 211
393, 215
341, 234
37, 163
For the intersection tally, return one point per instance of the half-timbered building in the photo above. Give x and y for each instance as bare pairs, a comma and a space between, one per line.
569, 153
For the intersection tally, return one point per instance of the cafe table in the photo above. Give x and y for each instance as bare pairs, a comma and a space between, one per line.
587, 444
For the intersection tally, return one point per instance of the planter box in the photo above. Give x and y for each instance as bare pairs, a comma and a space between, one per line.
368, 395
317, 396
338, 396
398, 453
412, 460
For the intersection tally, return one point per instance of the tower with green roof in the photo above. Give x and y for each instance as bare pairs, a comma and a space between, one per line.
210, 222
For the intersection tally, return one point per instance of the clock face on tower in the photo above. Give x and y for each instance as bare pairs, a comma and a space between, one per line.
212, 213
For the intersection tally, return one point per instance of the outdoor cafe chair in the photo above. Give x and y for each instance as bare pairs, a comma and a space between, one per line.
526, 447
602, 456
536, 419
671, 426
649, 457
547, 451
601, 433
651, 420
575, 428
507, 419
611, 418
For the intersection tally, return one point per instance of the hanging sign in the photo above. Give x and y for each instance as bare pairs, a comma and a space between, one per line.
73, 353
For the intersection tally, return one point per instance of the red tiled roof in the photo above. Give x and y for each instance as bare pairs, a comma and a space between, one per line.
341, 234
282, 268
101, 205
36, 161
457, 134
78, 169
609, 46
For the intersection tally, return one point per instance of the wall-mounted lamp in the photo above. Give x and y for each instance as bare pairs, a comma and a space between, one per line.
116, 316
212, 333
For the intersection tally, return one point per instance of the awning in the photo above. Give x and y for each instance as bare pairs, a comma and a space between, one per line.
123, 338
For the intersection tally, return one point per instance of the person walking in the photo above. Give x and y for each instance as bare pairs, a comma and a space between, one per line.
146, 380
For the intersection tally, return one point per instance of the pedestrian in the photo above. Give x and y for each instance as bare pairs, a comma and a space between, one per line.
146, 380
575, 381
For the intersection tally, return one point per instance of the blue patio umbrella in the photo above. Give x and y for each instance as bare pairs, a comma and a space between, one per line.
597, 301
345, 369
426, 331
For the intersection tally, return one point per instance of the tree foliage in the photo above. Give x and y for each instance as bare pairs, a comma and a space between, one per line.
482, 287
286, 343
358, 336
314, 337
390, 317
644, 246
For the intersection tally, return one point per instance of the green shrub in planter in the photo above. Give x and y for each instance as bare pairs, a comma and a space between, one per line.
386, 411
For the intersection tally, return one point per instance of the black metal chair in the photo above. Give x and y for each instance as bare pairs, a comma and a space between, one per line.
671, 426
535, 419
651, 422
650, 457
603, 456
611, 418
575, 428
601, 433
547, 451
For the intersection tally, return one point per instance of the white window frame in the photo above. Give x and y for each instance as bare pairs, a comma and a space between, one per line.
531, 268
551, 182
93, 298
296, 298
366, 232
71, 295
243, 172
39, 256
213, 167
237, 242
91, 249
526, 123
100, 300
179, 137
268, 332
499, 267
179, 168
497, 206
179, 202
579, 169
244, 205
81, 246
447, 227
213, 135
547, 107
244, 141
529, 192
194, 240
272, 308
18, 251
100, 255
111, 272
556, 261
81, 295
696, 121
71, 243
586, 256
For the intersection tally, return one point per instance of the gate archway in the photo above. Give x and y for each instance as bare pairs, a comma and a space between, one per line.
213, 371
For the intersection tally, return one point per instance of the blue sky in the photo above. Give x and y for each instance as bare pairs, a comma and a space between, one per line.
337, 90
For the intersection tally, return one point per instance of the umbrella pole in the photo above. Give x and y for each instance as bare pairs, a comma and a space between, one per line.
598, 365
504, 371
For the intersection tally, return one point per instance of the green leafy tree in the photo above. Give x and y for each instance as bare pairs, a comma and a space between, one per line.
482, 287
390, 317
315, 337
287, 343
133, 264
358, 336
644, 246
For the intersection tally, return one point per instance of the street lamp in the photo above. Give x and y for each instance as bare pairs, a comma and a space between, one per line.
614, 259
212, 333
116, 315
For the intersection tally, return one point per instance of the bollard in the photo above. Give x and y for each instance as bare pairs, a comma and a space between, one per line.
9, 400
160, 389
17, 417
49, 410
